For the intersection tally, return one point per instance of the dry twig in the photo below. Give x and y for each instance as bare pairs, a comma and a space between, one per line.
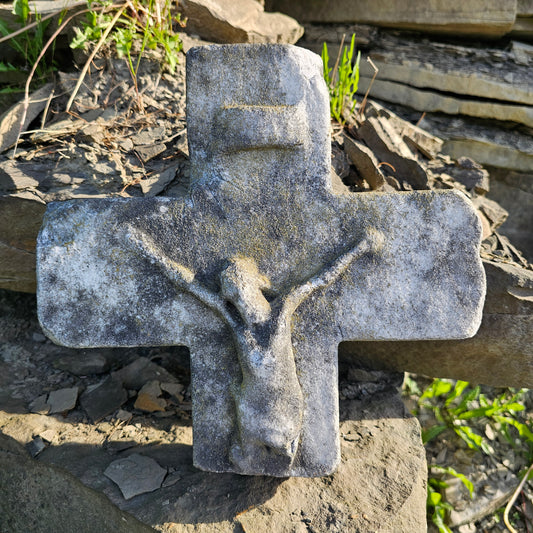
363, 103
513, 499
91, 57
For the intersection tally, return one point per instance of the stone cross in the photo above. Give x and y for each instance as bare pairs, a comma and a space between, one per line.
262, 269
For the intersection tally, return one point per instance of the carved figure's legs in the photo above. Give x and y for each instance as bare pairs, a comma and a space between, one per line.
269, 408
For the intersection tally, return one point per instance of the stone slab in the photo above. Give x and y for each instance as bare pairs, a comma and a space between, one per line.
33, 506
492, 72
238, 21
136, 474
478, 17
432, 101
20, 218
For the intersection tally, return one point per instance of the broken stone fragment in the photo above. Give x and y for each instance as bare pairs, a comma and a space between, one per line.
156, 184
40, 406
103, 399
149, 398
53, 499
135, 475
388, 146
63, 400
174, 389
365, 162
238, 21
262, 269
35, 446
493, 211
10, 120
82, 364
472, 175
141, 371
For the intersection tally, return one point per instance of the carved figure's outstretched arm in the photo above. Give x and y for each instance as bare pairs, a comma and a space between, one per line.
180, 275
373, 242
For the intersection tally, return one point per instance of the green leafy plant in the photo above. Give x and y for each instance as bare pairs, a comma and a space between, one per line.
454, 404
29, 42
148, 22
461, 402
437, 507
343, 79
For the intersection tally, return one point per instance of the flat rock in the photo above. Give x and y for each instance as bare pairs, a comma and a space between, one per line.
10, 121
39, 405
148, 398
487, 142
514, 192
483, 503
35, 446
31, 493
380, 484
156, 184
141, 371
238, 21
492, 73
487, 18
365, 162
472, 175
433, 101
20, 219
104, 399
62, 400
388, 146
136, 474
82, 364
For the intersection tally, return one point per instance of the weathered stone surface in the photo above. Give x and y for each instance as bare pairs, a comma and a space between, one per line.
380, 484
500, 354
261, 220
514, 192
62, 400
141, 371
10, 121
20, 218
41, 498
136, 474
149, 400
389, 148
238, 21
488, 18
522, 28
492, 73
433, 101
40, 405
416, 138
487, 142
524, 8
82, 365
472, 175
365, 162
104, 399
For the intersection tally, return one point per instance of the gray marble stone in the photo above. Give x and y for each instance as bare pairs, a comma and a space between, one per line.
262, 270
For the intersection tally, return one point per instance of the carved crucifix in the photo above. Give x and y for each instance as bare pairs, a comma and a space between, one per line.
262, 269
